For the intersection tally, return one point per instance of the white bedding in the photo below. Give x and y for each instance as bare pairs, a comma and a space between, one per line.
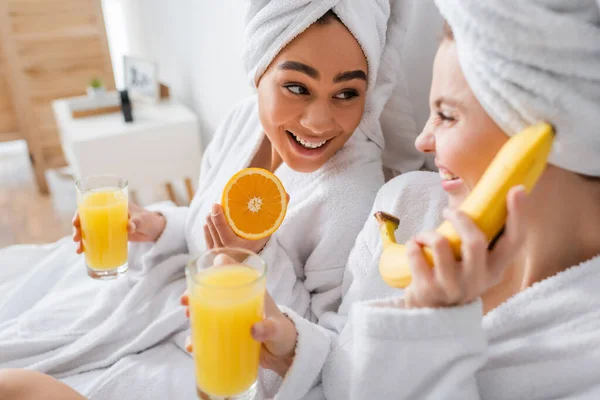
103, 337
118, 352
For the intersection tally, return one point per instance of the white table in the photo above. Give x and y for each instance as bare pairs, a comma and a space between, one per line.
160, 146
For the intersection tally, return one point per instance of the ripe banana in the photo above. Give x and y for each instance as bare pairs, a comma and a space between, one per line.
520, 161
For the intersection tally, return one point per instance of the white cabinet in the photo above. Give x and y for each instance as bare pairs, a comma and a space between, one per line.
159, 147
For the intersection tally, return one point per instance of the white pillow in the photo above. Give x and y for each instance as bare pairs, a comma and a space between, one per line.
407, 110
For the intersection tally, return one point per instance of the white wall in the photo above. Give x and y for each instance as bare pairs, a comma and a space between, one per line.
197, 44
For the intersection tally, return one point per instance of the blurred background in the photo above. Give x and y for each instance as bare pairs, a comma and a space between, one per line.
62, 63
52, 50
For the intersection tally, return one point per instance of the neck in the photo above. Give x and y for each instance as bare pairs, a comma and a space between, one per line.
563, 227
276, 159
266, 156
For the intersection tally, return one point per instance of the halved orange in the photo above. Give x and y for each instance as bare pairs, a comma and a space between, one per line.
255, 203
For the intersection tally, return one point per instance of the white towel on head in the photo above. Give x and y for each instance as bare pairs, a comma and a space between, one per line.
271, 25
528, 61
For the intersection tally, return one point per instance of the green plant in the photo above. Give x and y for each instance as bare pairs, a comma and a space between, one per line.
96, 83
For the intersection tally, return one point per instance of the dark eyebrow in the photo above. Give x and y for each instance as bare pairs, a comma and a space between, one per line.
300, 67
349, 75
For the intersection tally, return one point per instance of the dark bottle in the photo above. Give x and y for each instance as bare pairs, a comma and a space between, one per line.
126, 106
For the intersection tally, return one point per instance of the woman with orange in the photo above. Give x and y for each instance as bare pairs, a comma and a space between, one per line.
314, 123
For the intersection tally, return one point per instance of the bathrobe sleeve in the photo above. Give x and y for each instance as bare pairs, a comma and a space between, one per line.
317, 343
416, 353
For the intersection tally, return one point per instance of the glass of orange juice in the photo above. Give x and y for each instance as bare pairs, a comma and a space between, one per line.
103, 211
226, 297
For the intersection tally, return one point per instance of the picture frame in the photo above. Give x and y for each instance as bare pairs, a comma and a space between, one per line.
141, 79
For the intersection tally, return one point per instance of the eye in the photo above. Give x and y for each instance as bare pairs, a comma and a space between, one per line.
445, 117
346, 95
296, 89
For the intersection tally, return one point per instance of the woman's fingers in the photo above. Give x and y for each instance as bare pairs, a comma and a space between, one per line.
224, 259
226, 235
213, 232
514, 234
423, 278
131, 227
76, 230
185, 298
474, 248
188, 345
76, 221
210, 244
459, 282
420, 269
79, 248
76, 234
446, 268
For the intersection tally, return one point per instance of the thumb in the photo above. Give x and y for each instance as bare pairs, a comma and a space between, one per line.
266, 330
132, 225
224, 259
287, 198
218, 216
223, 228
141, 223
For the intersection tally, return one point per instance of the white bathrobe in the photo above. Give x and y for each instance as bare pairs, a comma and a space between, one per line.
418, 200
542, 343
307, 255
54, 319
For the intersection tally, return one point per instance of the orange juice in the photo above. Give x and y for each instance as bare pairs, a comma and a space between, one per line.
104, 217
225, 302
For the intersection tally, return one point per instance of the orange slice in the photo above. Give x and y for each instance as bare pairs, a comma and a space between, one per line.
254, 202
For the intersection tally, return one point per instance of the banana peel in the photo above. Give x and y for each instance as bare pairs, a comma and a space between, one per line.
392, 265
521, 161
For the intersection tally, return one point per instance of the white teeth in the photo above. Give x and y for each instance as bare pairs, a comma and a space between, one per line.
306, 144
447, 176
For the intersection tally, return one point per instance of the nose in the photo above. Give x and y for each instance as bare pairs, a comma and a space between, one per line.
425, 142
318, 118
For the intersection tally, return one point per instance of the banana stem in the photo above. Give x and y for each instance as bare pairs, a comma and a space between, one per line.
387, 226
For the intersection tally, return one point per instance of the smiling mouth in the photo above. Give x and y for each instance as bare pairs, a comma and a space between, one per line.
447, 176
305, 144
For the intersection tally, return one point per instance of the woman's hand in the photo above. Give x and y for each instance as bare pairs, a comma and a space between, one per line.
453, 283
278, 336
143, 226
276, 333
218, 233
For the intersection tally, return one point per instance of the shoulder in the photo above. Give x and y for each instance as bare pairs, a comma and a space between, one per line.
243, 121
247, 106
410, 185
355, 185
416, 198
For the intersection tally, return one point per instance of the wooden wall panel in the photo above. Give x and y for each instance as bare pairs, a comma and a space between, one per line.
8, 119
55, 48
